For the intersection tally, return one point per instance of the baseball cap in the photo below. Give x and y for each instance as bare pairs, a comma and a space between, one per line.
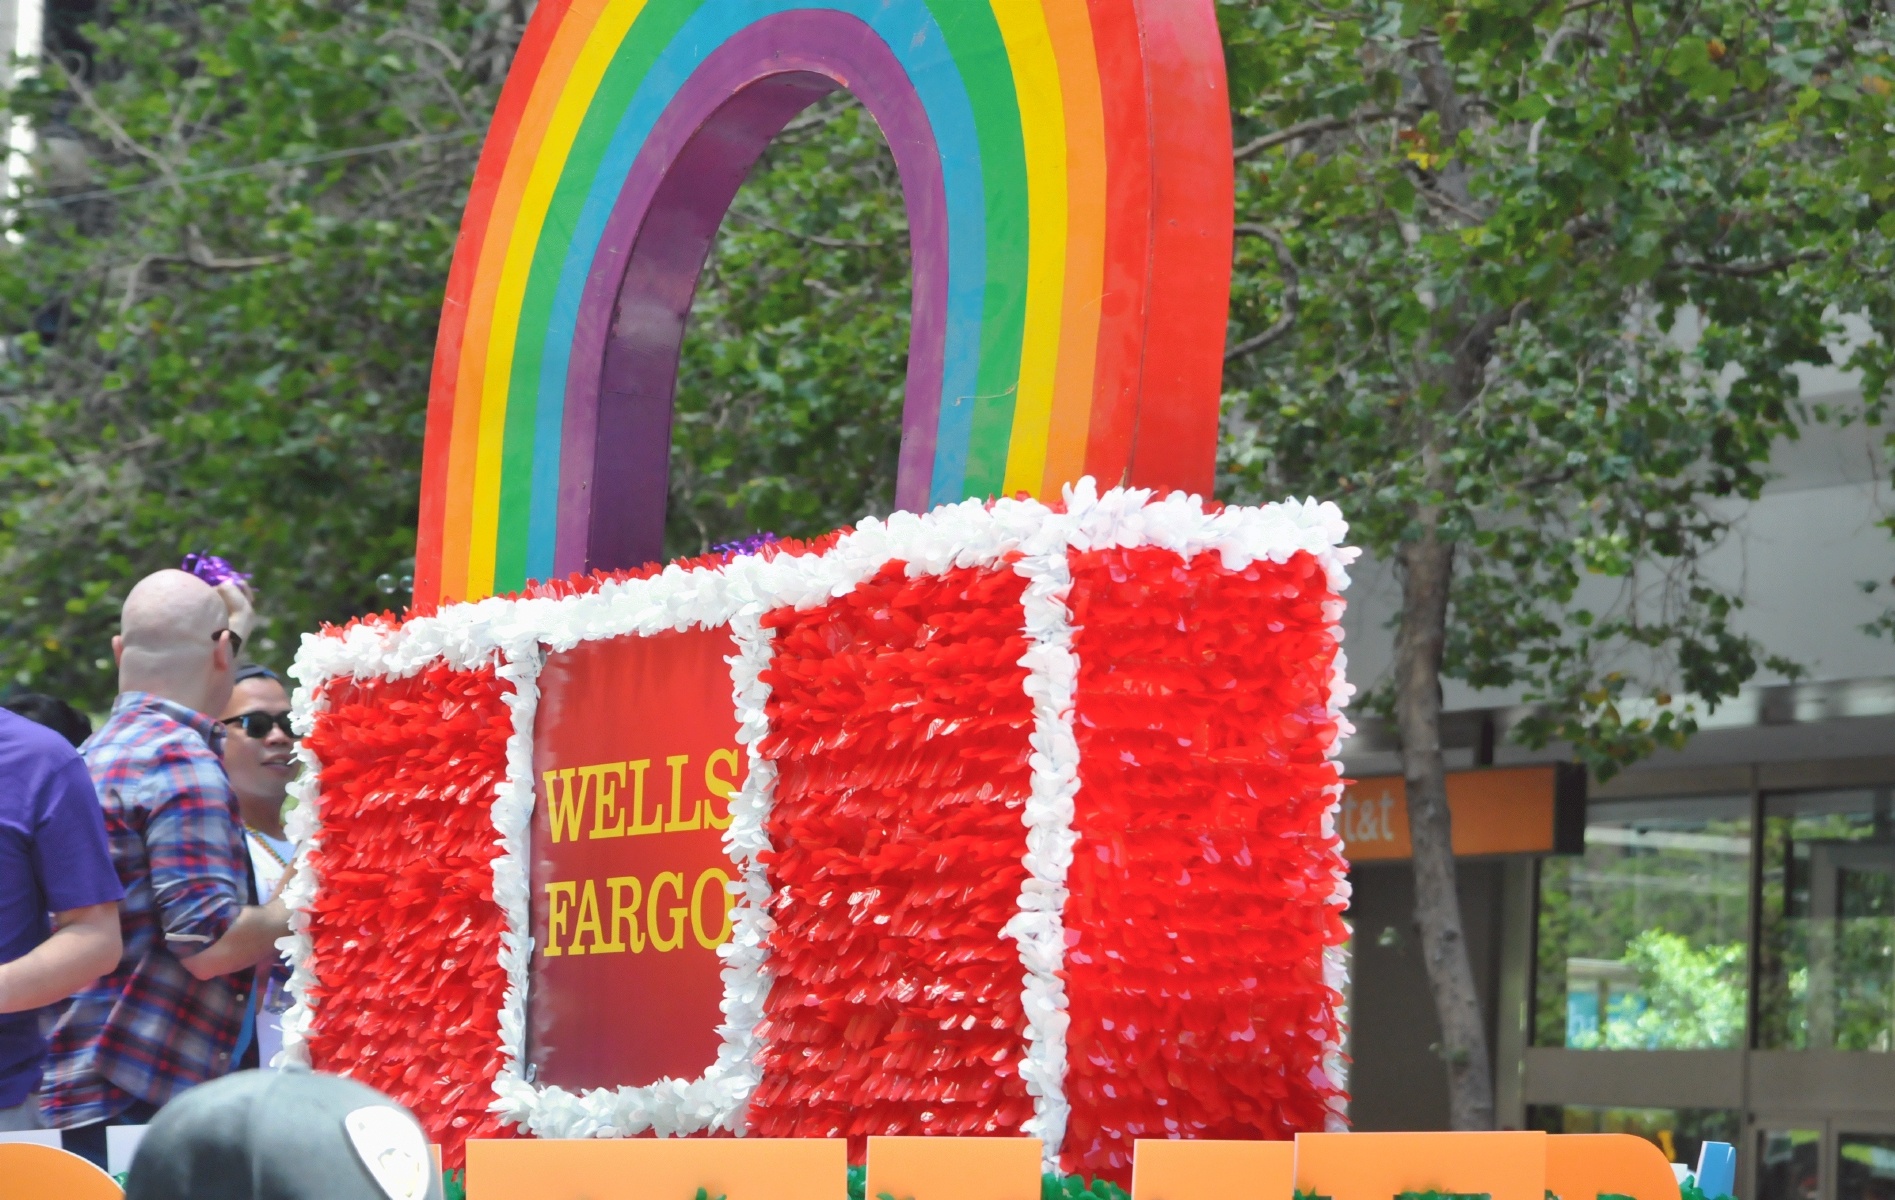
283, 1135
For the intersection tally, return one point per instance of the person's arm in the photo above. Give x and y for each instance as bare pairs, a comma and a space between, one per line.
73, 859
198, 873
251, 939
85, 945
237, 602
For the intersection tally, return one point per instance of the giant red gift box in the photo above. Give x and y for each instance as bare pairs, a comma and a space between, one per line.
1031, 832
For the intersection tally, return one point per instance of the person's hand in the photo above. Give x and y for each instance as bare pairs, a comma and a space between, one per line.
236, 597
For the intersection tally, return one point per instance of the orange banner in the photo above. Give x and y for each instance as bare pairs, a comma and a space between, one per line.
1496, 810
659, 1168
1177, 1169
1376, 1166
1341, 1166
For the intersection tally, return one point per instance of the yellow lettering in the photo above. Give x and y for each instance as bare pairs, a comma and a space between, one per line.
676, 883
697, 908
605, 799
678, 824
556, 915
588, 919
720, 787
628, 913
639, 825
565, 813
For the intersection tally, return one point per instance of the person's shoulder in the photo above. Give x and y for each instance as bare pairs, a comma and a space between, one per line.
23, 741
147, 755
141, 726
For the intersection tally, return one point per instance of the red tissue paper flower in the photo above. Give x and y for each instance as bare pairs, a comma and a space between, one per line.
405, 931
1194, 955
899, 726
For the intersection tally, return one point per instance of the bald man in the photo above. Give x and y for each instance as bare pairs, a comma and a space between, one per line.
179, 1008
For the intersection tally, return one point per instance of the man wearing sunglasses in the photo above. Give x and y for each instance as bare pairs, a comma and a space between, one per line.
260, 756
179, 1008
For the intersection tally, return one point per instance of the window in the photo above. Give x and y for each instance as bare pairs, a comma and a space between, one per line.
1679, 1132
1826, 958
1865, 1166
1787, 1164
1642, 938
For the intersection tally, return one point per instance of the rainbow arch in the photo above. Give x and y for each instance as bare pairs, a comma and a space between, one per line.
1066, 166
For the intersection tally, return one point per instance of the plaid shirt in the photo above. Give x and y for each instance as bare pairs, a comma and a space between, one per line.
150, 1029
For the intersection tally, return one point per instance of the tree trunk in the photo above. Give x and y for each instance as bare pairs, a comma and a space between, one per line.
1428, 566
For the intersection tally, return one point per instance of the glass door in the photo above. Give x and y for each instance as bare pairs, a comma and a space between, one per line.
1826, 978
1865, 1163
1788, 1159
1800, 1157
1723, 966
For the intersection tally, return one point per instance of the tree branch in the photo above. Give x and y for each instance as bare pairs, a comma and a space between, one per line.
819, 113
1320, 125
196, 254
1436, 76
453, 59
1286, 265
199, 255
1752, 270
117, 131
838, 243
1433, 195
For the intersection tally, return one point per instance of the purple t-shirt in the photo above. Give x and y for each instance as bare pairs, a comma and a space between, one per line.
53, 857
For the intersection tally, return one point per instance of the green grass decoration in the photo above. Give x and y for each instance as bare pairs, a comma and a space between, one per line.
1688, 1190
1075, 1187
1052, 1187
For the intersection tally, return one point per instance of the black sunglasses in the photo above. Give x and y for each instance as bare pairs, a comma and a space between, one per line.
236, 641
256, 725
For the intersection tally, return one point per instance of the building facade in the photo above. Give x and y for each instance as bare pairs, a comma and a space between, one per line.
1716, 958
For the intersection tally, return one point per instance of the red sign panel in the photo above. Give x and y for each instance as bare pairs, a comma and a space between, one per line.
635, 758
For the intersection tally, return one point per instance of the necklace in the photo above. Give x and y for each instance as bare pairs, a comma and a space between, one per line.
268, 849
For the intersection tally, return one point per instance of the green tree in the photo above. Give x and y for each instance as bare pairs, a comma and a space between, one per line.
221, 294
1687, 999
1470, 232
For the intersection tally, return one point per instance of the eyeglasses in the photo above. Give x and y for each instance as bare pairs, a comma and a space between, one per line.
256, 725
236, 641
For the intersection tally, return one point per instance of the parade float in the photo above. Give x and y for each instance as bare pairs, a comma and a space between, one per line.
1011, 814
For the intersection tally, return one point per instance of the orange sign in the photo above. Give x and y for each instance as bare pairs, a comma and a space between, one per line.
1496, 810
635, 755
1212, 1170
667, 1168
954, 1168
42, 1173
1582, 1166
1341, 1166
1376, 1166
